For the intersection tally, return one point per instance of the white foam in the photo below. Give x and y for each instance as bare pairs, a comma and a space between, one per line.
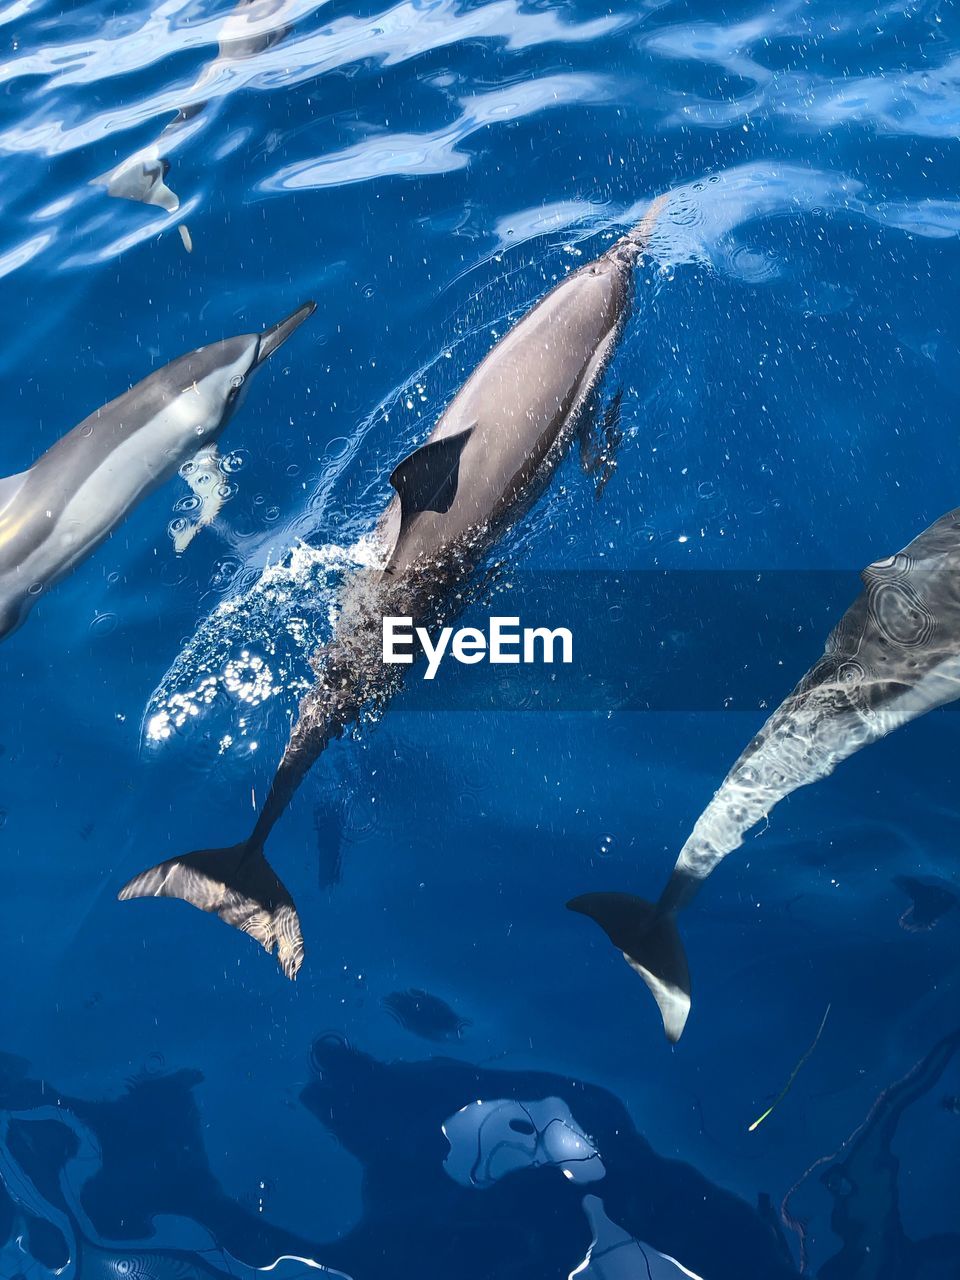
256, 647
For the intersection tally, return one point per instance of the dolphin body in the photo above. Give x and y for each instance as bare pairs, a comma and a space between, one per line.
491, 453
56, 514
894, 655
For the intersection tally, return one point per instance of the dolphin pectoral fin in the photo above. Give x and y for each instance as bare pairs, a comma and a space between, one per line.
238, 885
427, 480
650, 942
10, 486
202, 474
600, 442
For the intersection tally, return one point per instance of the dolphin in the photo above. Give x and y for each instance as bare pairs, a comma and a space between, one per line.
252, 27
490, 454
56, 514
894, 655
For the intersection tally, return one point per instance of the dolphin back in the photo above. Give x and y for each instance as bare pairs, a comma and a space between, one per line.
521, 403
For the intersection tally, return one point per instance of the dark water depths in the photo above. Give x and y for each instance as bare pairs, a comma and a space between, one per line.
169, 1106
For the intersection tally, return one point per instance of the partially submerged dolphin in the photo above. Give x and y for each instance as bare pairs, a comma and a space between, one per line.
490, 454
56, 514
894, 655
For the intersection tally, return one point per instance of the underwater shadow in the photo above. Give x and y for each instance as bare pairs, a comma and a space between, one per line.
862, 1180
123, 1188
514, 1206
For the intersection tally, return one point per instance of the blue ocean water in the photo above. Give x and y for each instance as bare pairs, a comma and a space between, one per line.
465, 1080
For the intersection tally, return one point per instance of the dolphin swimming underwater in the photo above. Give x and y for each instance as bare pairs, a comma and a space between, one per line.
56, 514
491, 453
252, 27
894, 655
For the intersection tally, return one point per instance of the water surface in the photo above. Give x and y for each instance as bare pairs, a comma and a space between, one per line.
425, 171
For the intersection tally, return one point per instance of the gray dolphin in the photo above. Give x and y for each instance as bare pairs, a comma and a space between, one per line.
894, 655
74, 496
489, 456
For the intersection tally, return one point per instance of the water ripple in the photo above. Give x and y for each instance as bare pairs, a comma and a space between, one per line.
405, 32
911, 102
438, 151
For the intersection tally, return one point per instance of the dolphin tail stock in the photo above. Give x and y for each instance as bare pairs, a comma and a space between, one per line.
634, 244
646, 934
237, 884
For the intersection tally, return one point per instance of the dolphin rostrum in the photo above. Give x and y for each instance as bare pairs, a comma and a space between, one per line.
489, 455
56, 514
894, 655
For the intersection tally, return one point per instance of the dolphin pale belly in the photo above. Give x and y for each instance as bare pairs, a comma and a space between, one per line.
56, 514
894, 655
489, 456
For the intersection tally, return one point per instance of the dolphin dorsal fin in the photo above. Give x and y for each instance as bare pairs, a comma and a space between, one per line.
10, 486
427, 480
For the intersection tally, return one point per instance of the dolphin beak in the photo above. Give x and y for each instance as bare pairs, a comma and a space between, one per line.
270, 339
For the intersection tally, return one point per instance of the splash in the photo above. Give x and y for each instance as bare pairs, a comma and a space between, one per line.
254, 649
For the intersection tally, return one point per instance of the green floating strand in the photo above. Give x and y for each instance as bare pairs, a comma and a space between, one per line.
793, 1074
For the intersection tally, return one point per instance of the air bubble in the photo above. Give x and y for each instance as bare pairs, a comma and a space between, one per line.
223, 574
103, 624
338, 448
233, 461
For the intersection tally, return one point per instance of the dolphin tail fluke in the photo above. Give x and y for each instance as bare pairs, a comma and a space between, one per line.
649, 939
238, 885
